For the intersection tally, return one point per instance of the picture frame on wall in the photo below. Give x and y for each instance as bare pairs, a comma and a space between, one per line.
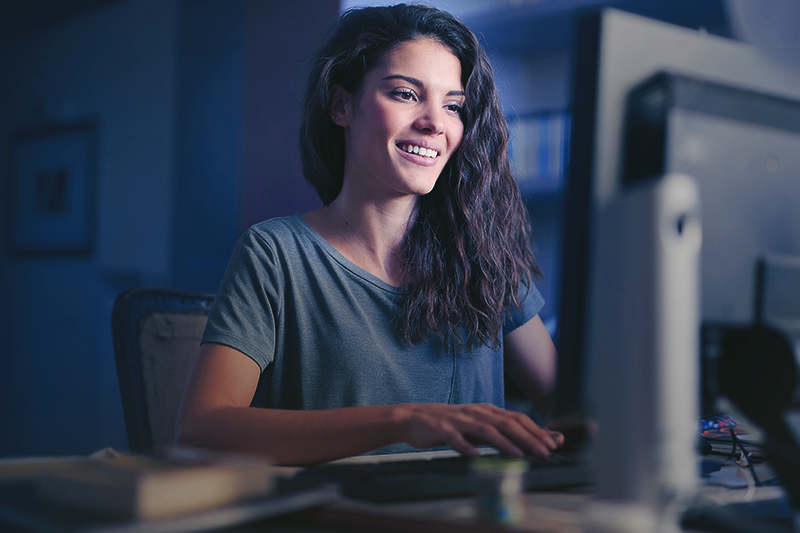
52, 191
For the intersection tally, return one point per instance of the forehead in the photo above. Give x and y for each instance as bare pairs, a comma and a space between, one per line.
422, 56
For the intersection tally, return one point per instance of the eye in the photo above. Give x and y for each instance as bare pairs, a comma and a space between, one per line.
404, 94
455, 108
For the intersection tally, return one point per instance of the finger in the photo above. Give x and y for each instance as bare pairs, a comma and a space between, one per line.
456, 440
546, 436
557, 436
486, 433
542, 434
522, 437
519, 427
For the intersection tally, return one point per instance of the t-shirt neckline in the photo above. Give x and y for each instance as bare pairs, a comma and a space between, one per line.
340, 258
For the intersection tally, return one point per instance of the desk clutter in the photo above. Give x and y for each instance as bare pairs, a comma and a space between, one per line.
186, 490
148, 488
182, 490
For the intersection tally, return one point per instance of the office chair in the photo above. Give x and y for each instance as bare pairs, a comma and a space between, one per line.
156, 333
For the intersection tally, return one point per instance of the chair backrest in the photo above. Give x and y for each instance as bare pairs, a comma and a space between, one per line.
156, 334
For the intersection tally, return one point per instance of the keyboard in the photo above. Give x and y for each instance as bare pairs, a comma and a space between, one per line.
441, 477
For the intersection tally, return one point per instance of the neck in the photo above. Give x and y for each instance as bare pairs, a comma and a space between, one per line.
368, 233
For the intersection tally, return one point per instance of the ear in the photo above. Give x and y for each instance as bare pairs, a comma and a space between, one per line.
340, 107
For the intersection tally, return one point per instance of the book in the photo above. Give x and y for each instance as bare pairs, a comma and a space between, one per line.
23, 510
142, 488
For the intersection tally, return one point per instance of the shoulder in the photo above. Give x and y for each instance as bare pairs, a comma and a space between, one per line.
532, 303
276, 234
280, 228
266, 256
286, 243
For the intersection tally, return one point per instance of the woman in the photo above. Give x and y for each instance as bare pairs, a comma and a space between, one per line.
384, 320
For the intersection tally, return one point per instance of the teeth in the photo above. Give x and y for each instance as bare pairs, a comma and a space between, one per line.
411, 149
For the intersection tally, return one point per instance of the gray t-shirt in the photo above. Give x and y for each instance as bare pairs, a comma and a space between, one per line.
323, 329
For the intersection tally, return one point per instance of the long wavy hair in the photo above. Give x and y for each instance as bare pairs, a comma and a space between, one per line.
468, 251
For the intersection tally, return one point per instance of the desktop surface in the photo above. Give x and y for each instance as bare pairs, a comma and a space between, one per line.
726, 497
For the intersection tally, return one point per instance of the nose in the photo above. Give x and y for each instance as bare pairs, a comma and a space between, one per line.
431, 119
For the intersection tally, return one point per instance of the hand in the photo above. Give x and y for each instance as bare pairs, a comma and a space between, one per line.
462, 427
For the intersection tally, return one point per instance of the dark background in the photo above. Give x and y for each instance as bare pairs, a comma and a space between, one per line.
194, 106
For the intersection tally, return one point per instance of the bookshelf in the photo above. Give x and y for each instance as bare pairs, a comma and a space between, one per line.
539, 150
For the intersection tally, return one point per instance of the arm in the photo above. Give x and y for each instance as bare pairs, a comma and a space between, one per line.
530, 360
215, 413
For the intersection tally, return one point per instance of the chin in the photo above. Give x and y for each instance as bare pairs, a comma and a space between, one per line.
425, 189
424, 186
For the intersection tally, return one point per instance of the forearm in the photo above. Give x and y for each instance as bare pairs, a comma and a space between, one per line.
307, 437
215, 414
538, 387
530, 361
292, 437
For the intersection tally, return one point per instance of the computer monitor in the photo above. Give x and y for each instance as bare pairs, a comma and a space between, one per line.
713, 108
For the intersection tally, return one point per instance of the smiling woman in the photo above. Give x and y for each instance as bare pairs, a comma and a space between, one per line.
400, 129
385, 320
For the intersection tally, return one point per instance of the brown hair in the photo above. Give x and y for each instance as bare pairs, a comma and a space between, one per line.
468, 252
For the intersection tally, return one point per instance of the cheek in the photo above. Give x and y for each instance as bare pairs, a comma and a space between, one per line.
393, 123
381, 117
457, 136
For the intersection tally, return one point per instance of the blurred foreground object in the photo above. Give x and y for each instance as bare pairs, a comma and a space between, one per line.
771, 25
149, 488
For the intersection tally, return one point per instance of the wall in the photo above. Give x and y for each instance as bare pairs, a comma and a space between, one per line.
209, 164
195, 107
114, 66
242, 69
280, 38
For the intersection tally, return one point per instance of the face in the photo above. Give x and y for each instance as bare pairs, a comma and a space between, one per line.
404, 123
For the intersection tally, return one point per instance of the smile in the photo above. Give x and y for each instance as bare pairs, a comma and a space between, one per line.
425, 152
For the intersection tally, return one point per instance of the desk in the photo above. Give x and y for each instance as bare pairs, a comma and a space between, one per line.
548, 512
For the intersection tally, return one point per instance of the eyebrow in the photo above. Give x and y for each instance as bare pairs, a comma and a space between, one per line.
418, 83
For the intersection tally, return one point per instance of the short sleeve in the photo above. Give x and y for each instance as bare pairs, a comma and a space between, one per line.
532, 304
243, 315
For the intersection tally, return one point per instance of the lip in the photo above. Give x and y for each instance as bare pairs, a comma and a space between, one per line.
421, 143
418, 159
